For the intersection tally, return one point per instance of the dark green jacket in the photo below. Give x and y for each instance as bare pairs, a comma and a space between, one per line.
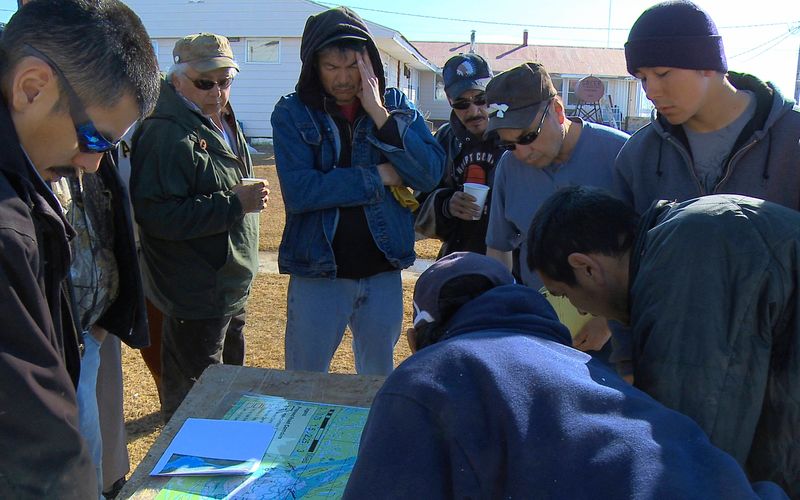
200, 250
714, 312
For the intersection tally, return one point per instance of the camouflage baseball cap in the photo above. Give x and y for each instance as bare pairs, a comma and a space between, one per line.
204, 52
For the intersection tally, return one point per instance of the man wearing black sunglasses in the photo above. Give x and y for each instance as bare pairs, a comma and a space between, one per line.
548, 151
198, 221
75, 76
448, 213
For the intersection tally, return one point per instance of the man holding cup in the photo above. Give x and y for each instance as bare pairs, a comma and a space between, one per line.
456, 212
198, 219
548, 151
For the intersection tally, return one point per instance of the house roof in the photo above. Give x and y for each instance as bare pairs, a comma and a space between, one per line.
557, 60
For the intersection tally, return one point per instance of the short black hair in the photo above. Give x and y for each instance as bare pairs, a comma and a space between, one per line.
101, 46
342, 45
578, 219
453, 295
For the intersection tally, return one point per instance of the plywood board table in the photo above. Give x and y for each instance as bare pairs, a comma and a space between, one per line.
221, 386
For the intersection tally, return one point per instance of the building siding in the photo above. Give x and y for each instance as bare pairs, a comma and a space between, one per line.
259, 85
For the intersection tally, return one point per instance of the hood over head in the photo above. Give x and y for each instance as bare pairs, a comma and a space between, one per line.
322, 29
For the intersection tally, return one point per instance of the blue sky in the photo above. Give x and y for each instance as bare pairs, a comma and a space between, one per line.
761, 37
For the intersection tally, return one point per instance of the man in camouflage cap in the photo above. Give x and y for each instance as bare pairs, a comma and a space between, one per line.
198, 220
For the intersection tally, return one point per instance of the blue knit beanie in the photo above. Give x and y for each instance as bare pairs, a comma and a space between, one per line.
675, 34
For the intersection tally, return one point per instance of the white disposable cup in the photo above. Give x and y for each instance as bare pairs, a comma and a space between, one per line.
252, 180
479, 191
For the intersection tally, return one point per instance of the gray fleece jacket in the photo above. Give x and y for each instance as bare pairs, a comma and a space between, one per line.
656, 162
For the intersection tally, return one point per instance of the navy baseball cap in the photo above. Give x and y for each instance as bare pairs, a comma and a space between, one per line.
428, 295
465, 72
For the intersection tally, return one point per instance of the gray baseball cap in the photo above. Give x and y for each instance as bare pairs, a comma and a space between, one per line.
516, 95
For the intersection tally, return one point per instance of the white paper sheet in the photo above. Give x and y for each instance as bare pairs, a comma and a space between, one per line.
215, 447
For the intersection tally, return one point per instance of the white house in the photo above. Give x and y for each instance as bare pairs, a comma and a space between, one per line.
265, 37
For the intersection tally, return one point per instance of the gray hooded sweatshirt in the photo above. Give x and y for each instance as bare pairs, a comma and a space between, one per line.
656, 162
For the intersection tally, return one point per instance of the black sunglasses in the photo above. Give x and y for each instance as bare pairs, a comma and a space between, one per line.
466, 102
205, 84
527, 138
90, 140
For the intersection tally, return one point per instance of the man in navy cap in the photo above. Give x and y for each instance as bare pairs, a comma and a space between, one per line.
448, 213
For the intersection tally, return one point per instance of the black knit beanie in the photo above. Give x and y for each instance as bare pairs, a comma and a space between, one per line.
675, 34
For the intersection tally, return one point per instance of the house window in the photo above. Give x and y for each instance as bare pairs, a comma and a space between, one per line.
438, 88
558, 83
572, 99
263, 50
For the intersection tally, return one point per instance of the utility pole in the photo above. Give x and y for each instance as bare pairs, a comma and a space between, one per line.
797, 80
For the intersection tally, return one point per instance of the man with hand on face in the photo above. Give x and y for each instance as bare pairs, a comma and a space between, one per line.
342, 141
709, 289
548, 151
198, 223
75, 76
448, 213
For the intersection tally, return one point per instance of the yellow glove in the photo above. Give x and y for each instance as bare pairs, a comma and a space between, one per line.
405, 197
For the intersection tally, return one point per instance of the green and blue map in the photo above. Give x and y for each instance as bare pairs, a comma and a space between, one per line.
310, 457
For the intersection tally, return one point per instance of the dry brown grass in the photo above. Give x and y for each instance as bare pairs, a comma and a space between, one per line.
264, 331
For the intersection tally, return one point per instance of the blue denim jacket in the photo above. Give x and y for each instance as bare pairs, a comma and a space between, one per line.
307, 146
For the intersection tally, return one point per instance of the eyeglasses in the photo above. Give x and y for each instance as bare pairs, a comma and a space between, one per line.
90, 140
205, 84
527, 138
466, 102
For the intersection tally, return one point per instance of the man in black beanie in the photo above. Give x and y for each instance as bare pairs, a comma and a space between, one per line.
712, 131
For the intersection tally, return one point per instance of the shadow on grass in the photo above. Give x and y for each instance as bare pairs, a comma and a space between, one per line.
143, 426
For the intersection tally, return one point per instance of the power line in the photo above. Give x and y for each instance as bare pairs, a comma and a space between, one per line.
778, 38
525, 25
774, 43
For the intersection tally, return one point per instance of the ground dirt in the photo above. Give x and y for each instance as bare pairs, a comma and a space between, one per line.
266, 313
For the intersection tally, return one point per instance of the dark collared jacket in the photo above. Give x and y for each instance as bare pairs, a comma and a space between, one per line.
43, 453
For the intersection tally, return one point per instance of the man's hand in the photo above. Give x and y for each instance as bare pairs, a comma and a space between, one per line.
370, 92
505, 258
253, 197
463, 206
99, 333
389, 175
593, 336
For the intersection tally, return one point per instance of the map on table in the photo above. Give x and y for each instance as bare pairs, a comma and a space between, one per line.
311, 455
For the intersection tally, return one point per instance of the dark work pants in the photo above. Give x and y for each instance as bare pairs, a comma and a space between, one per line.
189, 346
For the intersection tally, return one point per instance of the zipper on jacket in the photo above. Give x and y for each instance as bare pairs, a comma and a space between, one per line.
732, 163
688, 160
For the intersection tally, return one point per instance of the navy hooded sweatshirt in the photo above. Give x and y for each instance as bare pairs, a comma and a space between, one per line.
506, 408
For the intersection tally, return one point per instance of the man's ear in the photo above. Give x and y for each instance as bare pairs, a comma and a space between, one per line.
584, 265
558, 109
33, 84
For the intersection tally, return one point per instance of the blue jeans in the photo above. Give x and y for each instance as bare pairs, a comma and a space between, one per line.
88, 415
319, 309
